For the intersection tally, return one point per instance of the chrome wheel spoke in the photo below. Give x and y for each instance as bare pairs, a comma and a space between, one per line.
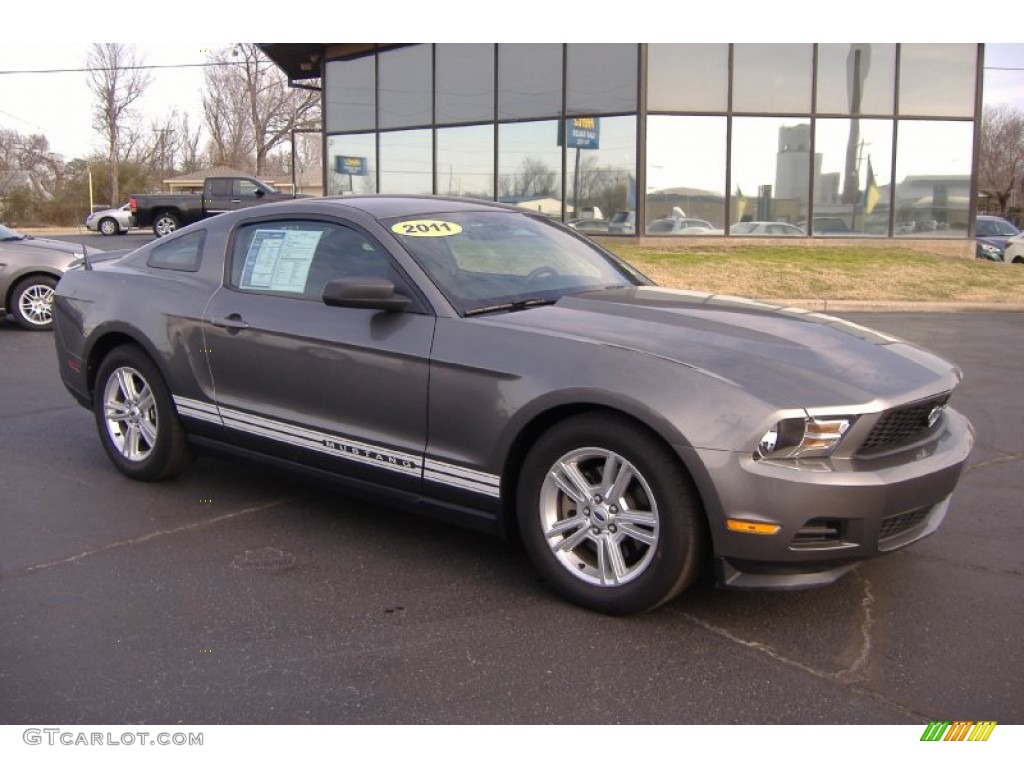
115, 410
611, 564
147, 430
563, 527
642, 535
571, 482
623, 477
125, 383
570, 543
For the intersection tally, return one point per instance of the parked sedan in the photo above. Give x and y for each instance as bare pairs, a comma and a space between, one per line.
112, 221
29, 269
681, 226
1013, 252
993, 234
766, 228
488, 366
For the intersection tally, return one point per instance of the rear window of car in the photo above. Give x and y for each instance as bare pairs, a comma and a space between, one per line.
182, 253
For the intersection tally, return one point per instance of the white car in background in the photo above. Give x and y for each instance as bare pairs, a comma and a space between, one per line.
112, 221
758, 228
1014, 251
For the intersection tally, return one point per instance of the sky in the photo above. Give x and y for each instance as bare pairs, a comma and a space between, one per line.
60, 105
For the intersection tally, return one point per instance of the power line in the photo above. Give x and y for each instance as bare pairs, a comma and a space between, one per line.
112, 69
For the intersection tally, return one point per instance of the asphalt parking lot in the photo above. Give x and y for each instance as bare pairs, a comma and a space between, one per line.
234, 594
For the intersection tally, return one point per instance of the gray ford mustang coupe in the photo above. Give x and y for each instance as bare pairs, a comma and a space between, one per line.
491, 368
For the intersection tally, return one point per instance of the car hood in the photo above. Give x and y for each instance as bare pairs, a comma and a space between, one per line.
780, 354
28, 245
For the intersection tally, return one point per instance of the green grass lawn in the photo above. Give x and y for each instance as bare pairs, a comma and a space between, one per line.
834, 273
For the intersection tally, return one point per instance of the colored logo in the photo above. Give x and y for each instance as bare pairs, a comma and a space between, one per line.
961, 730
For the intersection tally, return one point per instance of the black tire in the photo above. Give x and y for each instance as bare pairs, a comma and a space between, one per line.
165, 223
619, 555
135, 417
109, 226
32, 302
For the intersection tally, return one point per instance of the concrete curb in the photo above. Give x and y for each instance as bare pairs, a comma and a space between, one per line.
855, 305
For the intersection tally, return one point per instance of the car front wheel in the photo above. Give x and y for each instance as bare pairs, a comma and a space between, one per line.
608, 516
136, 418
109, 227
32, 303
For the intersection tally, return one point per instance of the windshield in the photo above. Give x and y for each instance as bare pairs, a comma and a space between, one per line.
6, 233
490, 259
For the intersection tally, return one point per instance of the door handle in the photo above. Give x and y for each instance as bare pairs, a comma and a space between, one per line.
232, 322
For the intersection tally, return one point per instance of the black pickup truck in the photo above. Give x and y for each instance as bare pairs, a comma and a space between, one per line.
165, 213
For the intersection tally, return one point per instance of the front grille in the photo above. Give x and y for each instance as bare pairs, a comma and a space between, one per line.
901, 523
902, 426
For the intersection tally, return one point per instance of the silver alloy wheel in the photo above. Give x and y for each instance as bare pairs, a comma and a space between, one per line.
129, 411
36, 304
109, 227
165, 225
599, 517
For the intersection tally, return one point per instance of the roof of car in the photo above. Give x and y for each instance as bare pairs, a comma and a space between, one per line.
390, 206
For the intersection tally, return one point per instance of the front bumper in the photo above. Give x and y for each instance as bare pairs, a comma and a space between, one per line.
831, 514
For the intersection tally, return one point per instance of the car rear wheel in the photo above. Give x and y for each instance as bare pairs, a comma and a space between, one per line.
32, 303
109, 227
608, 516
136, 418
165, 224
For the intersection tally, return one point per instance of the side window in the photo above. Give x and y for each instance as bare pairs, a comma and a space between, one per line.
245, 188
181, 254
300, 257
220, 187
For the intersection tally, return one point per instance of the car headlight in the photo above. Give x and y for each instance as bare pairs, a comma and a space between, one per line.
990, 252
803, 437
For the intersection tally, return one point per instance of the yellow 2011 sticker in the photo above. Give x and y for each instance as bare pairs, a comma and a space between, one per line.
426, 228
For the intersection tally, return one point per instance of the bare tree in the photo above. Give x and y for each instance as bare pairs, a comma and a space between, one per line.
250, 109
535, 178
1001, 165
118, 81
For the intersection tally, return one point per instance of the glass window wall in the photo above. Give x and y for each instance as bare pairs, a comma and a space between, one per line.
350, 98
773, 78
601, 78
406, 163
529, 80
687, 78
465, 82
938, 80
770, 169
685, 175
465, 161
852, 186
405, 89
933, 177
601, 177
352, 164
530, 166
856, 79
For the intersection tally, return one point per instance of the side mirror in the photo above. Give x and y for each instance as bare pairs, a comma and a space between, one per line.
364, 293
259, 192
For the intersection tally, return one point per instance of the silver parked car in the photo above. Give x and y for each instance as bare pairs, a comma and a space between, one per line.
770, 228
483, 364
112, 221
29, 270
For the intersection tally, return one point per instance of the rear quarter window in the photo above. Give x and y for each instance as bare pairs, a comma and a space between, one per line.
182, 254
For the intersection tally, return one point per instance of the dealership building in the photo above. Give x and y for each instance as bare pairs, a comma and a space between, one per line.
860, 139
